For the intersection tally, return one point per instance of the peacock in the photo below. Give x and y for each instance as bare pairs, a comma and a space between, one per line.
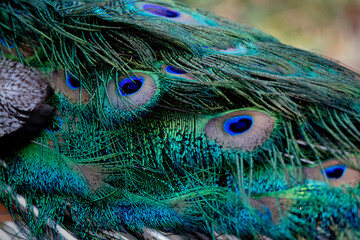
130, 119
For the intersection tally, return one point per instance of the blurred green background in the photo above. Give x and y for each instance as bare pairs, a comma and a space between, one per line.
327, 27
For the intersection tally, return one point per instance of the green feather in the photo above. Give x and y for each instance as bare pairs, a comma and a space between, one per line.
175, 121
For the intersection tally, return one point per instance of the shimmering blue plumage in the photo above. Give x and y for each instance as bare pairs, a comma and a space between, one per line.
137, 118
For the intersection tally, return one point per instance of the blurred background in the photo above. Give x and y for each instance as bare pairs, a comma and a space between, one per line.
327, 27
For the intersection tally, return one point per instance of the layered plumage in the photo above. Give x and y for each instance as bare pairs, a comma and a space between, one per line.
171, 119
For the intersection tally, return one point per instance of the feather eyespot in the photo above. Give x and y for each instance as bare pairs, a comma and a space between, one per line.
238, 49
133, 92
72, 82
176, 72
5, 44
130, 85
69, 86
244, 129
173, 70
161, 11
55, 125
335, 172
238, 125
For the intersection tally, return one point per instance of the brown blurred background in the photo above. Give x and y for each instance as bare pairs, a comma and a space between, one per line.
327, 27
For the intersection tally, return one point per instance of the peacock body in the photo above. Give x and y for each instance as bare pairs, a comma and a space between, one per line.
120, 118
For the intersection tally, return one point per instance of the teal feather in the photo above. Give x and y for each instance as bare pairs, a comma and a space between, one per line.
173, 120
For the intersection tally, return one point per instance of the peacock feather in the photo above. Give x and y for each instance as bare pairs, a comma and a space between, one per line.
124, 119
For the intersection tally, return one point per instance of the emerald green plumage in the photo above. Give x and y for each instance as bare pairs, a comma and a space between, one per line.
175, 120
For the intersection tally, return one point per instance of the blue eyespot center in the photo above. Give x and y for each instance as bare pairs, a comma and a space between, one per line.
174, 70
72, 82
335, 172
55, 125
2, 42
238, 125
161, 11
130, 85
264, 215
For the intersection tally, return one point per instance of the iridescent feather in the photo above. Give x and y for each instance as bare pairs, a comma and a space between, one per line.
168, 121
